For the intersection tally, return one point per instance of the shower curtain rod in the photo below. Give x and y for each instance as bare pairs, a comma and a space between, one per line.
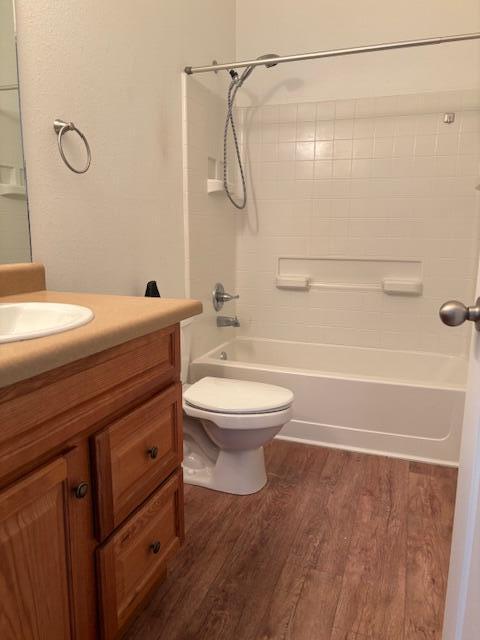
334, 52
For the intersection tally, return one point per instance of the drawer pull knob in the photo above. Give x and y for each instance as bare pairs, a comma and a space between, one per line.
155, 546
81, 490
153, 452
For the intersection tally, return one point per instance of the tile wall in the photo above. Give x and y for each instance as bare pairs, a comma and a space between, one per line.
367, 178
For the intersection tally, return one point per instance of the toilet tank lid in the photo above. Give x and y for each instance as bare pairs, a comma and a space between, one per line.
225, 395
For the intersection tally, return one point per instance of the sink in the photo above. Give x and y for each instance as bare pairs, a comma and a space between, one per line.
27, 320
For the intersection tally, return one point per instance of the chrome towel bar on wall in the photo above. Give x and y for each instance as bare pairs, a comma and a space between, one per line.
61, 128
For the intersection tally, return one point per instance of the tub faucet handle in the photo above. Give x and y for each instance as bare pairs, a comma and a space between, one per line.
226, 297
220, 296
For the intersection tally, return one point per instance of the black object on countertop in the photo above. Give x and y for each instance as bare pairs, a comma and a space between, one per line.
152, 290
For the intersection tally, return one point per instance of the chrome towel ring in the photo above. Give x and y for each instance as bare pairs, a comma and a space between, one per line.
62, 127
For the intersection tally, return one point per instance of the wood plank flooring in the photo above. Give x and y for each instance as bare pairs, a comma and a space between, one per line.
338, 546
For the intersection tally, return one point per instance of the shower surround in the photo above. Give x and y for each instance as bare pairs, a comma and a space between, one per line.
373, 179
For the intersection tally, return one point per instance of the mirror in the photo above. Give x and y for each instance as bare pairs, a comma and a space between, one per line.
14, 225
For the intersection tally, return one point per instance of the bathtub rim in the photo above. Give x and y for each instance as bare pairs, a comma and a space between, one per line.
208, 358
384, 453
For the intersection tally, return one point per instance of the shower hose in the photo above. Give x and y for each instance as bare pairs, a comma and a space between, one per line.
230, 121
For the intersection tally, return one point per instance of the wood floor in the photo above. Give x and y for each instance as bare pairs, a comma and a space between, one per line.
338, 546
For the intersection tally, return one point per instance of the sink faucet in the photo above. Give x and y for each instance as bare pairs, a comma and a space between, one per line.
228, 321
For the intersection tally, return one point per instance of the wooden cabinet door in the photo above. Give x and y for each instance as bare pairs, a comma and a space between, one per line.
35, 590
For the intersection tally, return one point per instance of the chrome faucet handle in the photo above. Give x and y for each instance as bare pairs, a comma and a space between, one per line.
226, 297
220, 296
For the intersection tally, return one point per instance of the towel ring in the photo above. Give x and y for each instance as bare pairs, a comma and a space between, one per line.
62, 127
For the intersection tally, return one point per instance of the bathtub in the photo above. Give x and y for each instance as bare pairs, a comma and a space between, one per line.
396, 403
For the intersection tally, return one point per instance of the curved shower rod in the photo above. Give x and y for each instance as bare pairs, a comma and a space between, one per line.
387, 46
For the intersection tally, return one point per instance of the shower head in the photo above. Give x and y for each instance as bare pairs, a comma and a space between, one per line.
269, 55
249, 70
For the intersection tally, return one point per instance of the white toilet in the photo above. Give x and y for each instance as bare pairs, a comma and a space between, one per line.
226, 424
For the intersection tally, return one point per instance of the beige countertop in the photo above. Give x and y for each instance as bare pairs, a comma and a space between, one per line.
117, 320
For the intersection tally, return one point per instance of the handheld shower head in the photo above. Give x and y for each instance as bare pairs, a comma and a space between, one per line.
250, 69
269, 55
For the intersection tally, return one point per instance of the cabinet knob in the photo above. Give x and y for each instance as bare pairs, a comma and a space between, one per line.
153, 452
155, 546
81, 490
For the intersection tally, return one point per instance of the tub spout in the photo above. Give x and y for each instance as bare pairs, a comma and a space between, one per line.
227, 321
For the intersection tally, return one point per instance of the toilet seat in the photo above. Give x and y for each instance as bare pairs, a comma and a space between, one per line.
240, 421
230, 397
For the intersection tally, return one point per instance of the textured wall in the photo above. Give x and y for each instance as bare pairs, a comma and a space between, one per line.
113, 68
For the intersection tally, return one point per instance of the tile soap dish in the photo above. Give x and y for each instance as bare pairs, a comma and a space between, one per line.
214, 185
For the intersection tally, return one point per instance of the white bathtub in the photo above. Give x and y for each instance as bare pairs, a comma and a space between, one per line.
396, 403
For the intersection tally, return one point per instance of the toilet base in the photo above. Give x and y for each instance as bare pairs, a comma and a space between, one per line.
237, 472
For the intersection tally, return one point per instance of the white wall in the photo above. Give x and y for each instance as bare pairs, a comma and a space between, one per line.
113, 68
286, 27
210, 223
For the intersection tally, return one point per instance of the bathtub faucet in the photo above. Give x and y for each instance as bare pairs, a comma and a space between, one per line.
227, 321
220, 296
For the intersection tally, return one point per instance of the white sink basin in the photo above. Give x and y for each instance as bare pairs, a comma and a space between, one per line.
27, 320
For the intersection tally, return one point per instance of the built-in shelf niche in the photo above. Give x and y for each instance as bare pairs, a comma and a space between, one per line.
393, 277
215, 176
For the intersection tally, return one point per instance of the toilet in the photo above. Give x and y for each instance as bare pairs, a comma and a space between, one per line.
226, 424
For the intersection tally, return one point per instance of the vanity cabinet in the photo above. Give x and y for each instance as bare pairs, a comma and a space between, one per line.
91, 490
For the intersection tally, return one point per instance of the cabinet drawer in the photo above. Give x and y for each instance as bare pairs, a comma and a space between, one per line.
135, 454
133, 561
40, 414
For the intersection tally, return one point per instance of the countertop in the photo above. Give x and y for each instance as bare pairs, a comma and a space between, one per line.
118, 319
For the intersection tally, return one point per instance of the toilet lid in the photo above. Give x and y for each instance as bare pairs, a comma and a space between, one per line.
224, 395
